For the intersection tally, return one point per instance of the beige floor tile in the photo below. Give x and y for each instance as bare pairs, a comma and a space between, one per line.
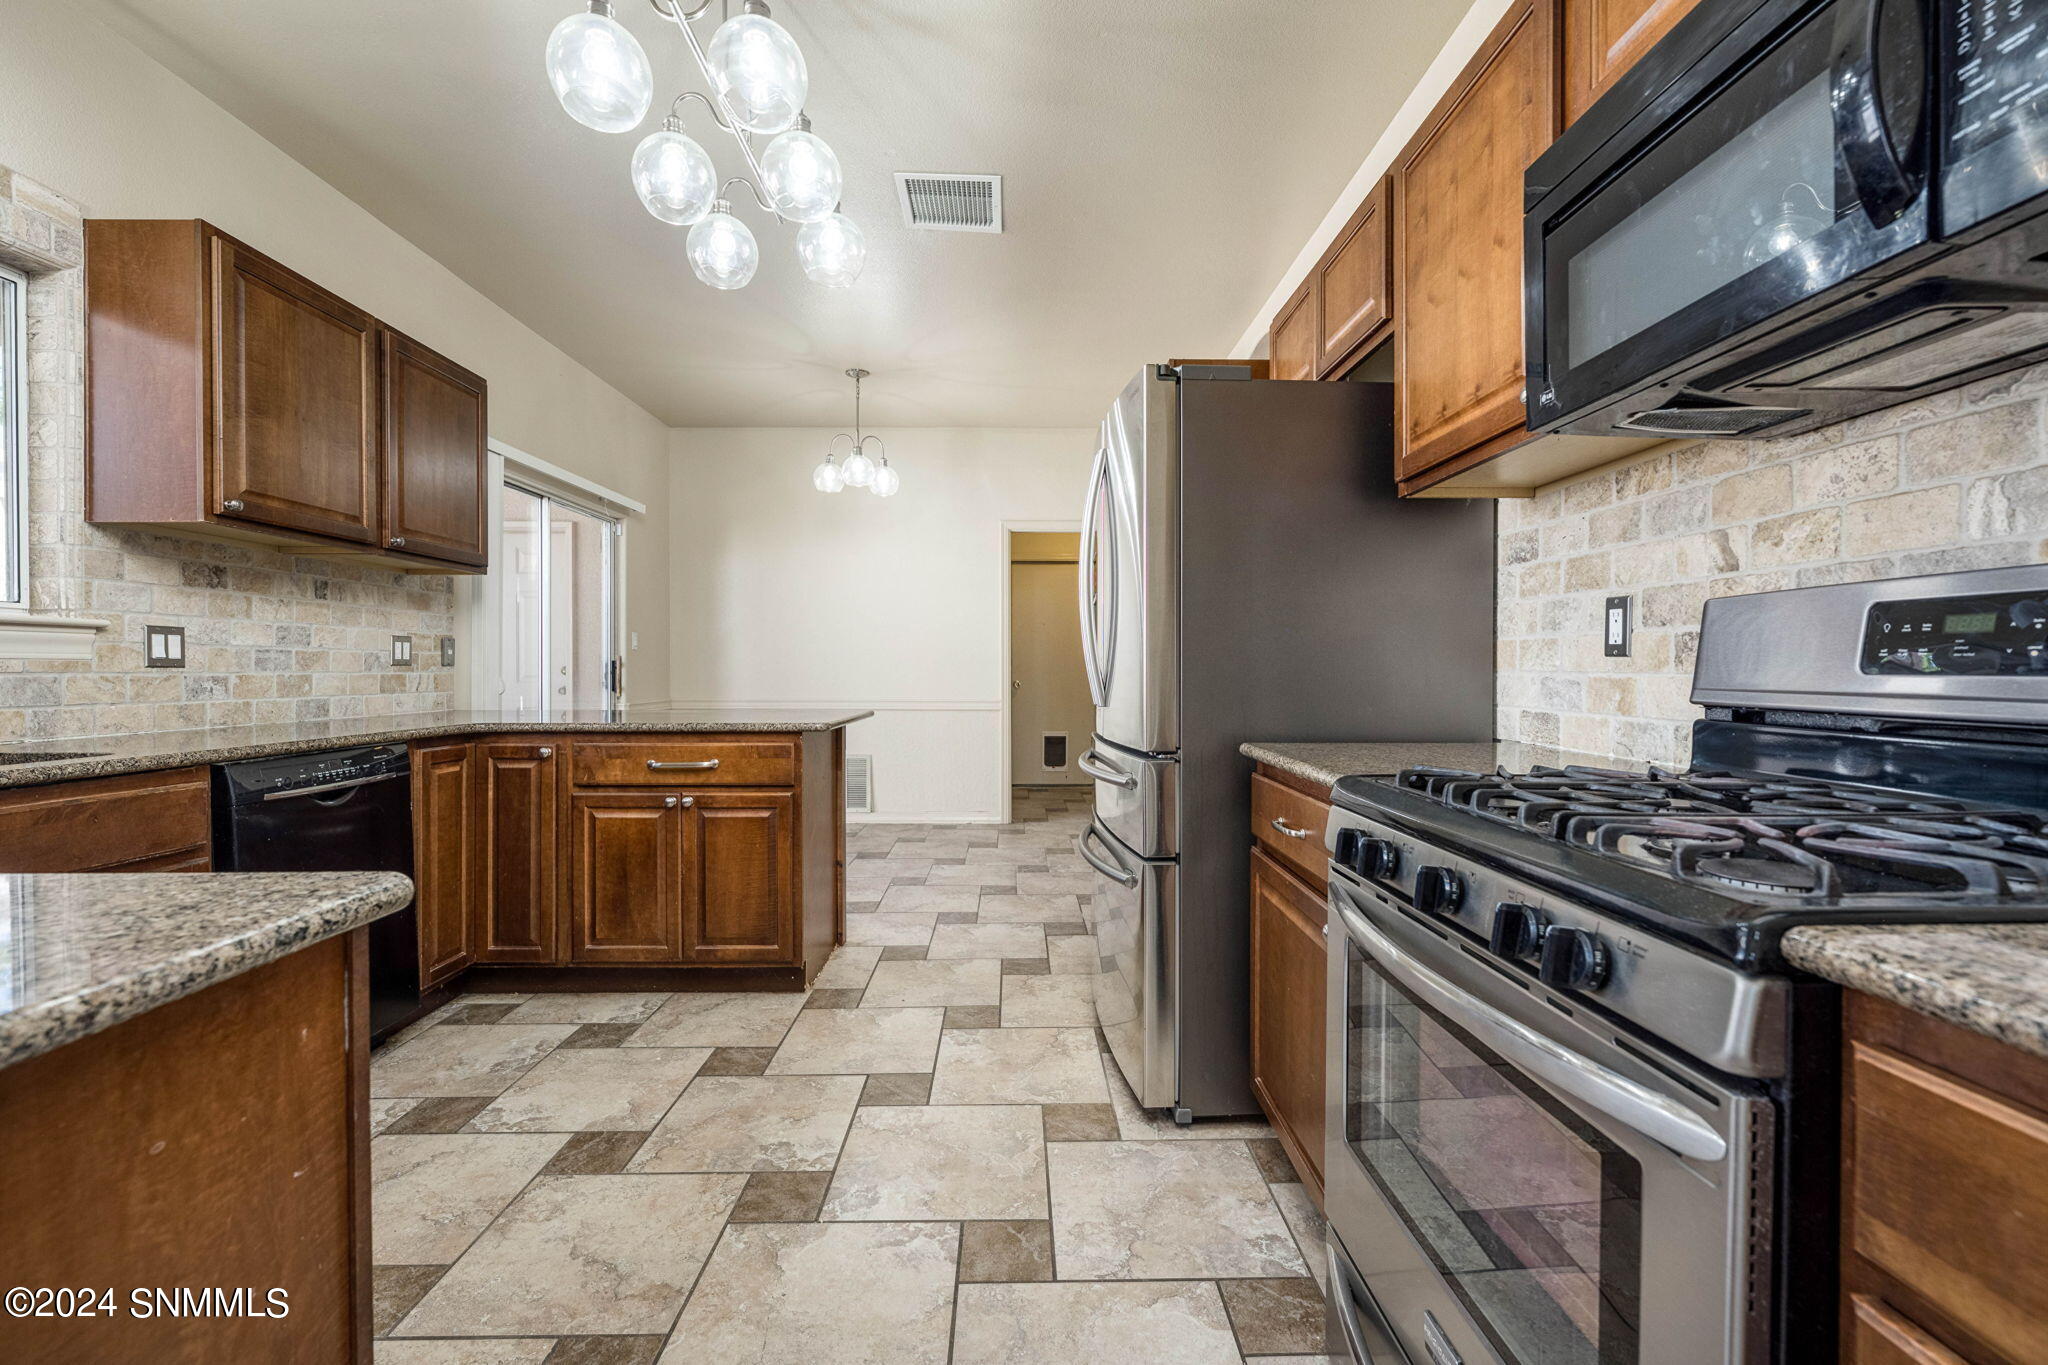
431, 1195
928, 900
1022, 909
476, 1351
582, 1254
1055, 884
1275, 1315
855, 1042
594, 1007
720, 1019
1048, 1001
754, 1123
1165, 1210
383, 1113
823, 1294
848, 968
1140, 1125
462, 1059
619, 1089
968, 1161
1005, 1250
971, 874
1091, 1324
975, 981
1305, 1221
890, 929
987, 940
396, 1290
1074, 955
1018, 1066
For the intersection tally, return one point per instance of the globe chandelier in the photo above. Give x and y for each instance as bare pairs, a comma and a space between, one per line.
758, 83
860, 470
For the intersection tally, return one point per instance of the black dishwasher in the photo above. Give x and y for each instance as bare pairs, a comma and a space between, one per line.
344, 810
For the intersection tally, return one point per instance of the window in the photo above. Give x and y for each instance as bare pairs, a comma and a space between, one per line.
13, 438
556, 604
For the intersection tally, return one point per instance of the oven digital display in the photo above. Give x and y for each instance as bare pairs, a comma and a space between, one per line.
2002, 633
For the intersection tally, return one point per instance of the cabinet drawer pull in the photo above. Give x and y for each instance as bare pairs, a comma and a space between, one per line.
547, 753
1289, 830
231, 505
678, 800
396, 542
702, 765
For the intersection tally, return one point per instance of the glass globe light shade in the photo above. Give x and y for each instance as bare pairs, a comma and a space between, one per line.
674, 176
859, 469
723, 251
885, 482
826, 478
832, 250
600, 71
802, 175
757, 66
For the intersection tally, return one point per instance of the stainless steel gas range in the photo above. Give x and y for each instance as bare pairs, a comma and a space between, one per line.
1580, 1112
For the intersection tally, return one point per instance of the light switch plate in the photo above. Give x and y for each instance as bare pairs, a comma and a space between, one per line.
164, 646
447, 651
1620, 614
401, 651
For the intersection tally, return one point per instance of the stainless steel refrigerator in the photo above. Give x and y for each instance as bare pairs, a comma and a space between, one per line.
1247, 573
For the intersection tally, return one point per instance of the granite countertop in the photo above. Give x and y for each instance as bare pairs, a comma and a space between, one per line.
81, 953
1324, 763
108, 755
1989, 978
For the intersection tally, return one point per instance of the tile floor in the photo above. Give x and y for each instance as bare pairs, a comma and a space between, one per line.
926, 1158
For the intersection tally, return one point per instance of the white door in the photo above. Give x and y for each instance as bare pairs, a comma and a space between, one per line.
556, 649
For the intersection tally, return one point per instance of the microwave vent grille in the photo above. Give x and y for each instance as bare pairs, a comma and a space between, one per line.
1708, 421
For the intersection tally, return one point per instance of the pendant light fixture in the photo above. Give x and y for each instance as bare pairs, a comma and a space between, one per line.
757, 82
861, 470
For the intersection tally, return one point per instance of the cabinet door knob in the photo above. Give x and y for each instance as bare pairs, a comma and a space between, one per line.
683, 801
396, 542
231, 505
547, 753
668, 800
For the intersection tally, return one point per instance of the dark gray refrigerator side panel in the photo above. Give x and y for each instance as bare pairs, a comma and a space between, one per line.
1315, 605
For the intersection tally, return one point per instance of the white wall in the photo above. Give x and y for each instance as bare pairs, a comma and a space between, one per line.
785, 594
89, 115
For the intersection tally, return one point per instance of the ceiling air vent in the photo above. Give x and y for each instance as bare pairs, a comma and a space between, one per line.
951, 203
860, 783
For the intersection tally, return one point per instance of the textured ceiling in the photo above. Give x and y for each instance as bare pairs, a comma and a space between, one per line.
1163, 161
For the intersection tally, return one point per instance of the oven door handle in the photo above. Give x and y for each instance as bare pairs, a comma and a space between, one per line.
1610, 1092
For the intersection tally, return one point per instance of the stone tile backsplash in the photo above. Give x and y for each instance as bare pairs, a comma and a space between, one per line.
269, 636
1955, 481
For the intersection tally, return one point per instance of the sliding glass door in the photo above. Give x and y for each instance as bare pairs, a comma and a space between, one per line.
557, 604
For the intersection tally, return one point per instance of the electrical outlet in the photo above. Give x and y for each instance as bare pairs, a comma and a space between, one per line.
401, 651
1620, 613
165, 646
447, 651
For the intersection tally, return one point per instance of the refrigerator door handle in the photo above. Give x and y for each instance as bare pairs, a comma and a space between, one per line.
1096, 767
1114, 873
1094, 651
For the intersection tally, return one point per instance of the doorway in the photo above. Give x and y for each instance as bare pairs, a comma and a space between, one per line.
1051, 712
555, 634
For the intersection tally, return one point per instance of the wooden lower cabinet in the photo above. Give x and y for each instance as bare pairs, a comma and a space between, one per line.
1944, 1194
513, 918
1288, 990
626, 854
148, 822
743, 867
443, 856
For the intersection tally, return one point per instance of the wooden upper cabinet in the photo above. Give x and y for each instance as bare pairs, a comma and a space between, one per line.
1291, 344
743, 909
627, 882
443, 856
517, 888
294, 381
1457, 210
433, 454
229, 396
1604, 38
1355, 285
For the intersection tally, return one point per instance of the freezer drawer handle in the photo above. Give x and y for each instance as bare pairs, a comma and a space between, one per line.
655, 765
1289, 830
1649, 1113
1115, 874
326, 787
1091, 763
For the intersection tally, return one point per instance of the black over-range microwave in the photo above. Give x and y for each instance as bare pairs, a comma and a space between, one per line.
1790, 212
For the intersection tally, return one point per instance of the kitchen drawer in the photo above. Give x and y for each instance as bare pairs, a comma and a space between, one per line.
742, 762
1277, 809
107, 823
1948, 1195
1880, 1335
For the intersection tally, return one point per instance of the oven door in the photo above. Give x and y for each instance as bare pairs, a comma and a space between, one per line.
1515, 1185
1781, 167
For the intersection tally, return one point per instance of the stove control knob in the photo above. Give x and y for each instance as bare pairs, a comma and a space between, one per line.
1366, 856
1438, 890
1573, 959
1517, 931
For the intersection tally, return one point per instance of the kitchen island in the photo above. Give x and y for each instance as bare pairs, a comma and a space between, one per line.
184, 1084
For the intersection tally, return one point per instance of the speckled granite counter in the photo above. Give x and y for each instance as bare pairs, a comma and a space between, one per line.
82, 953
108, 755
1323, 764
1990, 978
